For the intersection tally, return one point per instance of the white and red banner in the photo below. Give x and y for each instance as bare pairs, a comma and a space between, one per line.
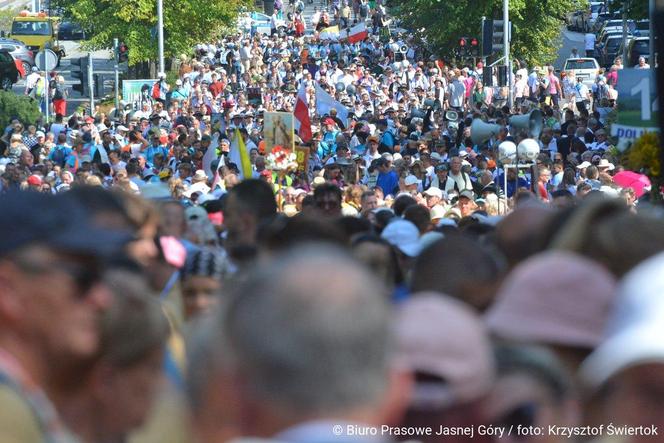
358, 33
301, 113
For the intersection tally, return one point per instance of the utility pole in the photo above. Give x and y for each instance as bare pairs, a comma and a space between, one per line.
160, 33
651, 33
116, 71
624, 36
508, 62
91, 84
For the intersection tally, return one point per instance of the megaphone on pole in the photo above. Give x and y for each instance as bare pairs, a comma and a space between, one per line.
532, 123
481, 131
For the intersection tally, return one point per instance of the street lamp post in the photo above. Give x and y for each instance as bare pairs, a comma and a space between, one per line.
160, 33
508, 62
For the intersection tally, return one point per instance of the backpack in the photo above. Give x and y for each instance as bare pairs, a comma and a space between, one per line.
58, 93
59, 156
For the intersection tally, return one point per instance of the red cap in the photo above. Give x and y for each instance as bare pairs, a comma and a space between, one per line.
329, 121
89, 120
34, 180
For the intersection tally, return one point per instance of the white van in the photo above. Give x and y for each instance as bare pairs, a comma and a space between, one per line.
585, 69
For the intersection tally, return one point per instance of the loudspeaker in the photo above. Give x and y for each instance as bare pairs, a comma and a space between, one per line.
531, 123
502, 76
487, 76
528, 150
507, 152
481, 131
451, 116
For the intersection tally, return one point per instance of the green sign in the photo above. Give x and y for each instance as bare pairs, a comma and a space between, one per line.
637, 104
136, 92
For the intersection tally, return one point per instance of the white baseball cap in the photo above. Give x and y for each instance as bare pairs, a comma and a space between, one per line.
403, 235
411, 180
434, 192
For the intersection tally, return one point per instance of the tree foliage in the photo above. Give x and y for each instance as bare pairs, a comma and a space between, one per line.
536, 24
635, 9
186, 23
17, 106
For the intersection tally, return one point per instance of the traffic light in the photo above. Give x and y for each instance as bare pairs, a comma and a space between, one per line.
463, 46
493, 38
123, 53
474, 47
79, 70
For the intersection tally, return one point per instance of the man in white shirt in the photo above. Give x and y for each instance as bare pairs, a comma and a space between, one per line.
589, 41
457, 91
31, 80
642, 64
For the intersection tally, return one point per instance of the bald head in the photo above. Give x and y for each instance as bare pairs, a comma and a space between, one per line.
310, 334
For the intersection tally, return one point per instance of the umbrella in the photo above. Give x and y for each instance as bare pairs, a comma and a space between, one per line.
630, 179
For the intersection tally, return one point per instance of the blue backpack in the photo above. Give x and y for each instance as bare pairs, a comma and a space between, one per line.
60, 155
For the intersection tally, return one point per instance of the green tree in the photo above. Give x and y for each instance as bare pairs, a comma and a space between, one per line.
17, 106
536, 24
186, 22
635, 9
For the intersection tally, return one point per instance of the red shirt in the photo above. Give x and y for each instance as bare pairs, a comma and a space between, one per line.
217, 88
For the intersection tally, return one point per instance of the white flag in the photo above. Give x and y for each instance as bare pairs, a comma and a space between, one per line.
325, 102
210, 155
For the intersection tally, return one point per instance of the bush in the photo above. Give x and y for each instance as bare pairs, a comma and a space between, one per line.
21, 107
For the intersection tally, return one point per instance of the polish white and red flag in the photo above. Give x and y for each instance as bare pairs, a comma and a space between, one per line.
301, 113
358, 33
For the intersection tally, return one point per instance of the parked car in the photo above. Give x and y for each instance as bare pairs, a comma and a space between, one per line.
616, 26
20, 52
637, 47
70, 31
596, 8
609, 49
642, 28
603, 17
8, 71
585, 69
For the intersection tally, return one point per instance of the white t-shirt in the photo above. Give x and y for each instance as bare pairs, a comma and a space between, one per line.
580, 92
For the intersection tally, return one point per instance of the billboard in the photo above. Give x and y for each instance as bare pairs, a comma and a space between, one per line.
135, 92
637, 104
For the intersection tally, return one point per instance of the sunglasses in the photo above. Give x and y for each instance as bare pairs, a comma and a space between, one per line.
84, 275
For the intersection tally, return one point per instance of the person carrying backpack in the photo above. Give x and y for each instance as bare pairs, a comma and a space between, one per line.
60, 152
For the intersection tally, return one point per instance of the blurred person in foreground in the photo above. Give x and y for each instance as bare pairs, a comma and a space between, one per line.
327, 369
114, 390
556, 299
446, 347
51, 299
532, 388
624, 376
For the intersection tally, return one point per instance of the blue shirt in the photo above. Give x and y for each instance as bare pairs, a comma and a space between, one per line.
388, 182
387, 139
151, 151
512, 185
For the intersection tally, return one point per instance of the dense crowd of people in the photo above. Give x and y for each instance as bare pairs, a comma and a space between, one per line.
435, 262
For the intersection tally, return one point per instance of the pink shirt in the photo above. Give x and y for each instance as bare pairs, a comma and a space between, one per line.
554, 84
